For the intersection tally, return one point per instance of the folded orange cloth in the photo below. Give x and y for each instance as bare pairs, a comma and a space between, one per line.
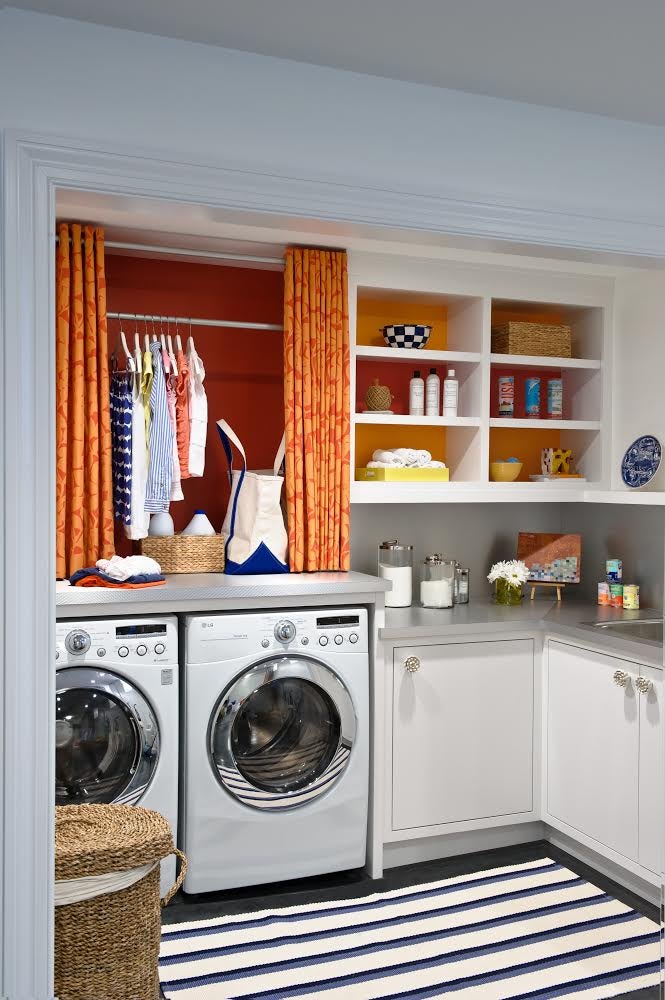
98, 581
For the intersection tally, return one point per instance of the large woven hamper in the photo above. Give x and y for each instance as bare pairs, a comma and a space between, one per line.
107, 946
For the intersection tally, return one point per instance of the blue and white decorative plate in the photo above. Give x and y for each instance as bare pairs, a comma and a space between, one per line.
641, 462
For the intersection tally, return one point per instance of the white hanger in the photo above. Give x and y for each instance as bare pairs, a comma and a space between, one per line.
178, 341
169, 342
191, 350
138, 357
146, 338
130, 359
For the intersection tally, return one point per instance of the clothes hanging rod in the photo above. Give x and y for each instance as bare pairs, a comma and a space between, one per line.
186, 321
186, 252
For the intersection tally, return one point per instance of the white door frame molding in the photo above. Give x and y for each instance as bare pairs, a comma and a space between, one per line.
34, 167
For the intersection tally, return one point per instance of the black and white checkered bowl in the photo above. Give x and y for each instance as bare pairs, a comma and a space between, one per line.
406, 335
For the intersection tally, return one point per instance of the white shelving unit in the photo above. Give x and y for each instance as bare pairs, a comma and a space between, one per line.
466, 296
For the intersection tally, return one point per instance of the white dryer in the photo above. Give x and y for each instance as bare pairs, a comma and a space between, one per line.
117, 716
276, 746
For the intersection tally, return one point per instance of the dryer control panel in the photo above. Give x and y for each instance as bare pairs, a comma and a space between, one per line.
126, 640
322, 632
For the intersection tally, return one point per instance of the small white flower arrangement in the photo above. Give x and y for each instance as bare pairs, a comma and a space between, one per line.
513, 571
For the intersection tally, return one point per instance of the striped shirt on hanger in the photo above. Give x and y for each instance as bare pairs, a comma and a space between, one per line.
160, 467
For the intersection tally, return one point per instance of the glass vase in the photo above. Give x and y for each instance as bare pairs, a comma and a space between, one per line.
508, 593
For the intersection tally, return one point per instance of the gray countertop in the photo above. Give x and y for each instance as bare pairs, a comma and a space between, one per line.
184, 592
570, 619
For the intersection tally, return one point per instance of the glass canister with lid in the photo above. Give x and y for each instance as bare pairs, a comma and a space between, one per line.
437, 585
396, 565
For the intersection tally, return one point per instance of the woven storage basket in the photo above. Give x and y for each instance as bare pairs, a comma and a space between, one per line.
548, 341
186, 553
107, 947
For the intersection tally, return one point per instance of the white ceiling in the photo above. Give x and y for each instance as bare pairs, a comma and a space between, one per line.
603, 56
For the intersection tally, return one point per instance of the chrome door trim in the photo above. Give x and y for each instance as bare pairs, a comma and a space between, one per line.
141, 715
275, 667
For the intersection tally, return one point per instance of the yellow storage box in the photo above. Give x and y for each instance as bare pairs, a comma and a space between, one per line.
403, 475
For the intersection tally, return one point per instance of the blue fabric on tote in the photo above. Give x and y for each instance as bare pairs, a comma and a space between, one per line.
121, 445
160, 464
262, 560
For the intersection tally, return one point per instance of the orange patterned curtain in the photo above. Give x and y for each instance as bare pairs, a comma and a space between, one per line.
84, 500
316, 397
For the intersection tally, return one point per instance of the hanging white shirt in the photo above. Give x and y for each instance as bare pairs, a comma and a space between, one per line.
138, 525
198, 412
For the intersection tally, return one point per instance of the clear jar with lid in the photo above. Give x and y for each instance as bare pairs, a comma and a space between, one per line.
437, 584
396, 565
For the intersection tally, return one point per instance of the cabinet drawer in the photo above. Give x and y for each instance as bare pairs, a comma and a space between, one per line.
462, 732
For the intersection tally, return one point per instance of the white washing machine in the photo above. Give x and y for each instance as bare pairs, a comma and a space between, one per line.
276, 746
117, 716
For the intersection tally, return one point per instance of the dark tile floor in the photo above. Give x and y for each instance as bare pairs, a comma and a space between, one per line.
345, 885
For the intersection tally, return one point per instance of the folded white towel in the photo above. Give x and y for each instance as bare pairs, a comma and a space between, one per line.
408, 455
423, 458
388, 458
435, 465
121, 569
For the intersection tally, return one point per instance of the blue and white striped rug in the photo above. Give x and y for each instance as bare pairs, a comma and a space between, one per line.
533, 930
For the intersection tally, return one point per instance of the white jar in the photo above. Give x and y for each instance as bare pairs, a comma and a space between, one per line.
396, 566
161, 524
199, 525
437, 583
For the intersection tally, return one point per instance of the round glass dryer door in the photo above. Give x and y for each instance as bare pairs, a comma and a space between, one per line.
282, 733
106, 739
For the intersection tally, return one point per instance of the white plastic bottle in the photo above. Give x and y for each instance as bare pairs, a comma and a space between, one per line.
199, 525
416, 396
432, 394
161, 524
450, 394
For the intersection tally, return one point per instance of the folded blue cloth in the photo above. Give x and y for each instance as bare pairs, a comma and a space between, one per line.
94, 577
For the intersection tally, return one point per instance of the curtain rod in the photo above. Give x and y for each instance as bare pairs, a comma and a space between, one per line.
187, 321
185, 252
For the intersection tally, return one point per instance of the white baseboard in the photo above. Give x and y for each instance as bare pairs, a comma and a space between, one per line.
451, 844
641, 887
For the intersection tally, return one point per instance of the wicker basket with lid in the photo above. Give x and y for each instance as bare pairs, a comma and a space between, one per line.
107, 945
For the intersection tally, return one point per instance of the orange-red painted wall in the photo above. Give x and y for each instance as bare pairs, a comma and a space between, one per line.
244, 369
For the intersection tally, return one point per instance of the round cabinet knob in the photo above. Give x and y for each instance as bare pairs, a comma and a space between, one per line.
339, 640
323, 640
123, 651
353, 638
78, 642
411, 664
285, 631
142, 649
643, 685
159, 648
621, 678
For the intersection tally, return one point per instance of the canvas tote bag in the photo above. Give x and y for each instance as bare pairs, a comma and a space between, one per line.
254, 524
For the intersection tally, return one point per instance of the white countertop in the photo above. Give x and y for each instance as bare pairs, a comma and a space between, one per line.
184, 592
569, 619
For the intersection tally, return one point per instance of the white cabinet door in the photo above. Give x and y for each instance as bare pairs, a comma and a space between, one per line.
593, 746
462, 732
651, 792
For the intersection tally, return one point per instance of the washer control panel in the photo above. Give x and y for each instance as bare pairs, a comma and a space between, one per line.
129, 640
325, 631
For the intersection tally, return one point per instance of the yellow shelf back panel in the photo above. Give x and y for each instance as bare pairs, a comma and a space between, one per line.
375, 313
369, 437
525, 445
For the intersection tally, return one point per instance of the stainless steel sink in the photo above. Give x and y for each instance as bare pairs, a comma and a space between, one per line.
650, 629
